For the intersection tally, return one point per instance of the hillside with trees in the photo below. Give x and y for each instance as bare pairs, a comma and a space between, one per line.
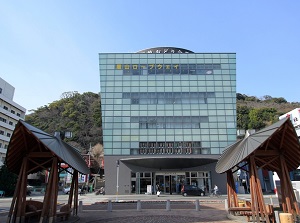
255, 113
78, 113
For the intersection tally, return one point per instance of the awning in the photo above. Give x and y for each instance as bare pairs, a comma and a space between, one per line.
171, 163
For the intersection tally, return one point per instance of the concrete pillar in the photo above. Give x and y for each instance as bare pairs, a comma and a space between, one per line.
197, 205
276, 216
109, 205
271, 200
138, 205
226, 205
168, 206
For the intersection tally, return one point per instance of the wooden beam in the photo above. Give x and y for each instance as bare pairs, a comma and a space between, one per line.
39, 165
20, 207
23, 130
53, 197
12, 210
269, 163
288, 192
283, 136
40, 154
262, 153
257, 195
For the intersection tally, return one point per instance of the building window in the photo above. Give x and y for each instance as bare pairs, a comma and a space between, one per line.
1, 132
18, 114
4, 107
150, 98
3, 119
185, 148
11, 123
8, 134
12, 111
0, 90
169, 122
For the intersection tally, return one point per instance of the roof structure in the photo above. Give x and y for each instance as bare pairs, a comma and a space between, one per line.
28, 140
31, 150
275, 148
267, 144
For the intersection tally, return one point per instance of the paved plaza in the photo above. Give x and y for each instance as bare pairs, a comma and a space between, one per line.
142, 208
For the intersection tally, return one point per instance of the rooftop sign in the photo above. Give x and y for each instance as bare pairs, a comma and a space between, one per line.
165, 50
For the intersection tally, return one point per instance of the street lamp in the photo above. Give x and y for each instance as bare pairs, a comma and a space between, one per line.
62, 135
118, 165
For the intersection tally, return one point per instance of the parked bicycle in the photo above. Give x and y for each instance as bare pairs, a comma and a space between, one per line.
214, 193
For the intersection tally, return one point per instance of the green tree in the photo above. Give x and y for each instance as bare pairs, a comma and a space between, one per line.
8, 180
279, 100
240, 96
242, 117
255, 119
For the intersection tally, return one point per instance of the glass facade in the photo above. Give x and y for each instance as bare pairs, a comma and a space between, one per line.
167, 104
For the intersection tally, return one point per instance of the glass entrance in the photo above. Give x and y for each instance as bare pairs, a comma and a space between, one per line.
169, 183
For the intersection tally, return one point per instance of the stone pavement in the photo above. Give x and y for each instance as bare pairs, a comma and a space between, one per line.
213, 212
96, 209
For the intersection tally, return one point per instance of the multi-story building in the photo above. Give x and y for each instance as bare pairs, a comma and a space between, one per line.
10, 113
168, 113
294, 116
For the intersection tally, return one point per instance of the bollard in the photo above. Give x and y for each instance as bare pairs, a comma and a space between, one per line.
271, 200
109, 205
286, 218
276, 213
80, 208
168, 207
138, 205
197, 205
226, 205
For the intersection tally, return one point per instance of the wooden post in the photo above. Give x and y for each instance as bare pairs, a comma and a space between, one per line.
12, 209
22, 194
47, 198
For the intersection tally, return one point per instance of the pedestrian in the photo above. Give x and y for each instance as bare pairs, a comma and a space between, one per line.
216, 189
157, 190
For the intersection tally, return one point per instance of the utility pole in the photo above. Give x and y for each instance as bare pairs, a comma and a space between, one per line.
118, 165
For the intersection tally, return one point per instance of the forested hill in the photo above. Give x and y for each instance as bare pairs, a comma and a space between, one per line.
81, 114
78, 113
255, 113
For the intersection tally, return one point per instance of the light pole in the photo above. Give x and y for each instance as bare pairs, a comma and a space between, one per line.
62, 135
89, 165
118, 165
245, 177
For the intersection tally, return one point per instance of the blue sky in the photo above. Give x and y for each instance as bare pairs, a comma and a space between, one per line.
51, 47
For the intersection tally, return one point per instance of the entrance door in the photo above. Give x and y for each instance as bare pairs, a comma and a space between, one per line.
170, 183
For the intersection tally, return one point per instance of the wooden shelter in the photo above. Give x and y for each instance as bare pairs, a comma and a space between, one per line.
275, 148
31, 150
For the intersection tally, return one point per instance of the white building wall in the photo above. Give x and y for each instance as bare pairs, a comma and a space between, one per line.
10, 114
294, 116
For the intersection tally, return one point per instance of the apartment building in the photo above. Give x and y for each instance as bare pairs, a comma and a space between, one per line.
10, 113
